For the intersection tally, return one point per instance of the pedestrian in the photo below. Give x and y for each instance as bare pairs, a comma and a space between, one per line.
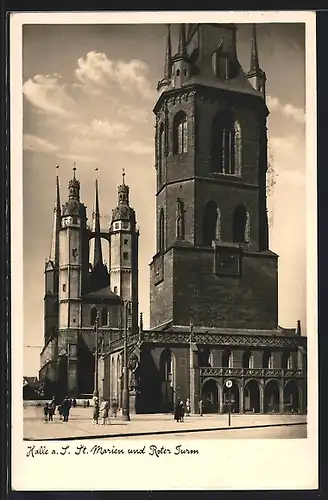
188, 409
52, 409
104, 411
114, 408
66, 406
74, 403
46, 412
88, 403
182, 411
95, 411
201, 408
60, 411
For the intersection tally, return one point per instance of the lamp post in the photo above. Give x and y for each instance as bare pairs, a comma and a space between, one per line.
126, 402
95, 392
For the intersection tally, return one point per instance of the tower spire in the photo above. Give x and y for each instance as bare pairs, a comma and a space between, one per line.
168, 55
97, 255
256, 76
254, 66
182, 49
54, 252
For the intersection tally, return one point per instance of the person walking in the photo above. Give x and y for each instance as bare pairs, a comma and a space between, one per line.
74, 403
66, 406
104, 411
182, 411
95, 411
200, 408
52, 409
188, 409
114, 408
46, 412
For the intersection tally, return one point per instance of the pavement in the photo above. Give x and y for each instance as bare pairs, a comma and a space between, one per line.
214, 426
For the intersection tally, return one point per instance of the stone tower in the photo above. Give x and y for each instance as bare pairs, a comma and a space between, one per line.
212, 262
72, 259
124, 237
52, 273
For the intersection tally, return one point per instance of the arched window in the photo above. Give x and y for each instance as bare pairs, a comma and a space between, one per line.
180, 133
287, 361
267, 360
241, 225
161, 230
161, 152
226, 145
209, 223
227, 359
104, 314
167, 366
93, 316
180, 222
248, 360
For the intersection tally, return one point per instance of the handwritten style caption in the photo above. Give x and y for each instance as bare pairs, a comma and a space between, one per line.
34, 451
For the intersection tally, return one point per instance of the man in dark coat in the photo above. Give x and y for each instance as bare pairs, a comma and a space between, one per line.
66, 406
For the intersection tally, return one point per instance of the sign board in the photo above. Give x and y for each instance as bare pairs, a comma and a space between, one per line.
228, 384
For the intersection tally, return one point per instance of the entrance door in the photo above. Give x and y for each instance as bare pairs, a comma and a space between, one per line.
210, 397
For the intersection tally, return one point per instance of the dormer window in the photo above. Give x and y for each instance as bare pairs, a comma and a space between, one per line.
222, 64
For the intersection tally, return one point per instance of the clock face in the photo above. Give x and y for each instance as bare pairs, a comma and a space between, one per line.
227, 262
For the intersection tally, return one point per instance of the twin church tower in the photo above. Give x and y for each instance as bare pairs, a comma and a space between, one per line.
213, 278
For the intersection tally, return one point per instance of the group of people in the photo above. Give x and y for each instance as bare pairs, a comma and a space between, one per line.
101, 410
63, 409
182, 409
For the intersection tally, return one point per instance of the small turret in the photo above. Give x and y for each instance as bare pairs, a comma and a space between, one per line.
181, 64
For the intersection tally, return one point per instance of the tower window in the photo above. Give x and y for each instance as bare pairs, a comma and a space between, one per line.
64, 287
74, 253
104, 317
180, 131
241, 225
178, 72
161, 230
125, 225
126, 241
115, 289
125, 255
93, 316
74, 220
210, 223
161, 152
223, 65
226, 145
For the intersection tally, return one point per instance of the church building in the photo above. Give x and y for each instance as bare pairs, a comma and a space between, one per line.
213, 278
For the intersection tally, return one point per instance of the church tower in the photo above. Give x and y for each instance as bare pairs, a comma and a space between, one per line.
52, 273
212, 261
124, 237
72, 258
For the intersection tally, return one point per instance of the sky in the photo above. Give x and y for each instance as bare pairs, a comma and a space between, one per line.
88, 94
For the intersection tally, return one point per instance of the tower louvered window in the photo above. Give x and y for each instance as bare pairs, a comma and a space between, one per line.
226, 145
180, 131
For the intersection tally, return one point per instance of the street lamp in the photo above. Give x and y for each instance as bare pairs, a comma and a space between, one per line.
95, 392
126, 402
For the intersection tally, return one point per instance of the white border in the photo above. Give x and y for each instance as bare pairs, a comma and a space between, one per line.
227, 464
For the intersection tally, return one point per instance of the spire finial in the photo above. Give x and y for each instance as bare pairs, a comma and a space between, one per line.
168, 55
74, 170
254, 55
123, 176
96, 170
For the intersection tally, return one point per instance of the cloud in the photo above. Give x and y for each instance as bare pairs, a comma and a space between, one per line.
288, 155
49, 94
38, 145
96, 73
99, 129
135, 147
134, 114
78, 158
288, 110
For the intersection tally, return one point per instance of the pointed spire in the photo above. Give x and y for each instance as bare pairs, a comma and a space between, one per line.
123, 176
182, 49
254, 66
97, 255
54, 252
168, 55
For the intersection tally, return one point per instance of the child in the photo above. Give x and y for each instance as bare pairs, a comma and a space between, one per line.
104, 412
60, 412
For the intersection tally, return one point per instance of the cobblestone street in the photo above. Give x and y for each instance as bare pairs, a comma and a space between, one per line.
194, 427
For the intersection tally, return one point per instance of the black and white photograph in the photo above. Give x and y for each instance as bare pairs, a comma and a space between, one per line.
164, 265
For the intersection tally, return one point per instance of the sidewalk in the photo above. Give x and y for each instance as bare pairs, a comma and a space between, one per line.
80, 424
